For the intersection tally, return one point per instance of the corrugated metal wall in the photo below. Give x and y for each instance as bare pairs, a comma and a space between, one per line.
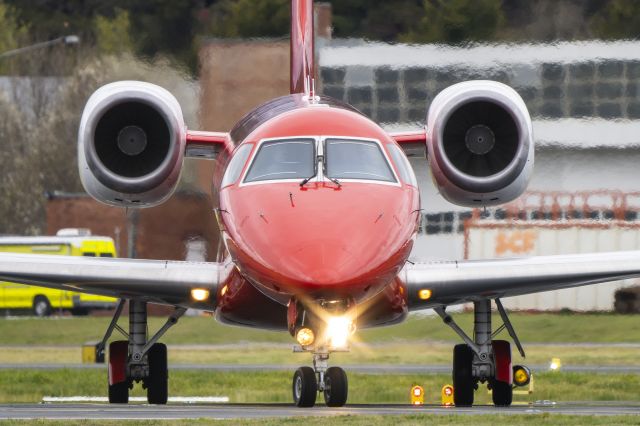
485, 240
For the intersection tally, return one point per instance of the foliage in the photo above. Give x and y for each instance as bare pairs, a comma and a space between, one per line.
164, 27
375, 19
17, 212
250, 18
456, 21
619, 19
174, 29
153, 26
10, 31
39, 137
38, 141
114, 34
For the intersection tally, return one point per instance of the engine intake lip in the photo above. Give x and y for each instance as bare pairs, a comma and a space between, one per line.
119, 173
483, 183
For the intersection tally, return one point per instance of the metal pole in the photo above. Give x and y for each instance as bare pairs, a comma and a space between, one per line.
70, 39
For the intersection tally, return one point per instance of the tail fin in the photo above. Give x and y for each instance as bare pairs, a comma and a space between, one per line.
302, 48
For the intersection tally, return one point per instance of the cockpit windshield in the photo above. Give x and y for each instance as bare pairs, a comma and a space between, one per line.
356, 159
283, 159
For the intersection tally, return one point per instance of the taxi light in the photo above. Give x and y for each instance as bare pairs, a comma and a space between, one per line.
199, 294
424, 294
338, 331
555, 364
521, 375
305, 336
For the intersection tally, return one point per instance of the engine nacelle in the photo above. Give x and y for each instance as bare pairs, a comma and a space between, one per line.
480, 143
131, 144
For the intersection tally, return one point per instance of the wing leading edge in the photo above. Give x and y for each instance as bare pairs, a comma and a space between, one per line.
465, 281
166, 282
413, 142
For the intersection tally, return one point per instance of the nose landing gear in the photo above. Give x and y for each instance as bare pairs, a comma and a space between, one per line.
331, 381
321, 331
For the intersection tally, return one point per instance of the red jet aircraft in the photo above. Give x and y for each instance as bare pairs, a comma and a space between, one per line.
318, 208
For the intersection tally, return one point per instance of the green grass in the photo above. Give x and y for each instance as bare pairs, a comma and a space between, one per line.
201, 330
404, 353
418, 340
275, 387
405, 420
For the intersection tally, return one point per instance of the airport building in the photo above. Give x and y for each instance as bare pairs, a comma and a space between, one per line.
584, 99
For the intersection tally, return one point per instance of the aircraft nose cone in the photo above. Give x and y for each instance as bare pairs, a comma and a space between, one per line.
322, 238
324, 261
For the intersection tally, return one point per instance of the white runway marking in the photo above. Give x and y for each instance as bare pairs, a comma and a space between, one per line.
173, 399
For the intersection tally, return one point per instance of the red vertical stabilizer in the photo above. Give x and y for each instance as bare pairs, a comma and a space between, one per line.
302, 54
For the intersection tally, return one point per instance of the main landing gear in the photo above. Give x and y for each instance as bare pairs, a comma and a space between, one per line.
138, 359
484, 360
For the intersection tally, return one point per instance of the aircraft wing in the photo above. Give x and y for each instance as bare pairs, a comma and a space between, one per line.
413, 143
205, 144
165, 282
466, 281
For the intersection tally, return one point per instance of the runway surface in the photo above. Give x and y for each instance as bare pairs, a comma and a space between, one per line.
236, 411
360, 368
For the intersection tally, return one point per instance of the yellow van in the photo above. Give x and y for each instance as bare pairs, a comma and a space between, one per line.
42, 301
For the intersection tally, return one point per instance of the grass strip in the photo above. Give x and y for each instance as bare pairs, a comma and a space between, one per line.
547, 328
275, 387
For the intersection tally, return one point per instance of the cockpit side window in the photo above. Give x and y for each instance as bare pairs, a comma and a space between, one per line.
236, 165
356, 159
402, 164
283, 159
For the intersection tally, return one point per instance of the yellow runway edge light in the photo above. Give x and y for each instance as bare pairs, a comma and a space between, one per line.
417, 395
447, 396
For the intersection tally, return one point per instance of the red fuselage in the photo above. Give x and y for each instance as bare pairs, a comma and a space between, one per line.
321, 240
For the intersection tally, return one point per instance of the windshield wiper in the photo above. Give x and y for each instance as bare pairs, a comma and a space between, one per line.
334, 180
324, 171
306, 180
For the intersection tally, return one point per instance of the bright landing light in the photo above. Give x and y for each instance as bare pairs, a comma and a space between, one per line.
338, 331
199, 294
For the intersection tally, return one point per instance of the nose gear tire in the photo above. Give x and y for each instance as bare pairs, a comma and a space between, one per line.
304, 387
336, 387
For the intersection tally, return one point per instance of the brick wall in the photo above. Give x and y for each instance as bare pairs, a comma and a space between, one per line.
159, 232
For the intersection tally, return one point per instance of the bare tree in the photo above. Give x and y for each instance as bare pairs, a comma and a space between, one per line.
39, 127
